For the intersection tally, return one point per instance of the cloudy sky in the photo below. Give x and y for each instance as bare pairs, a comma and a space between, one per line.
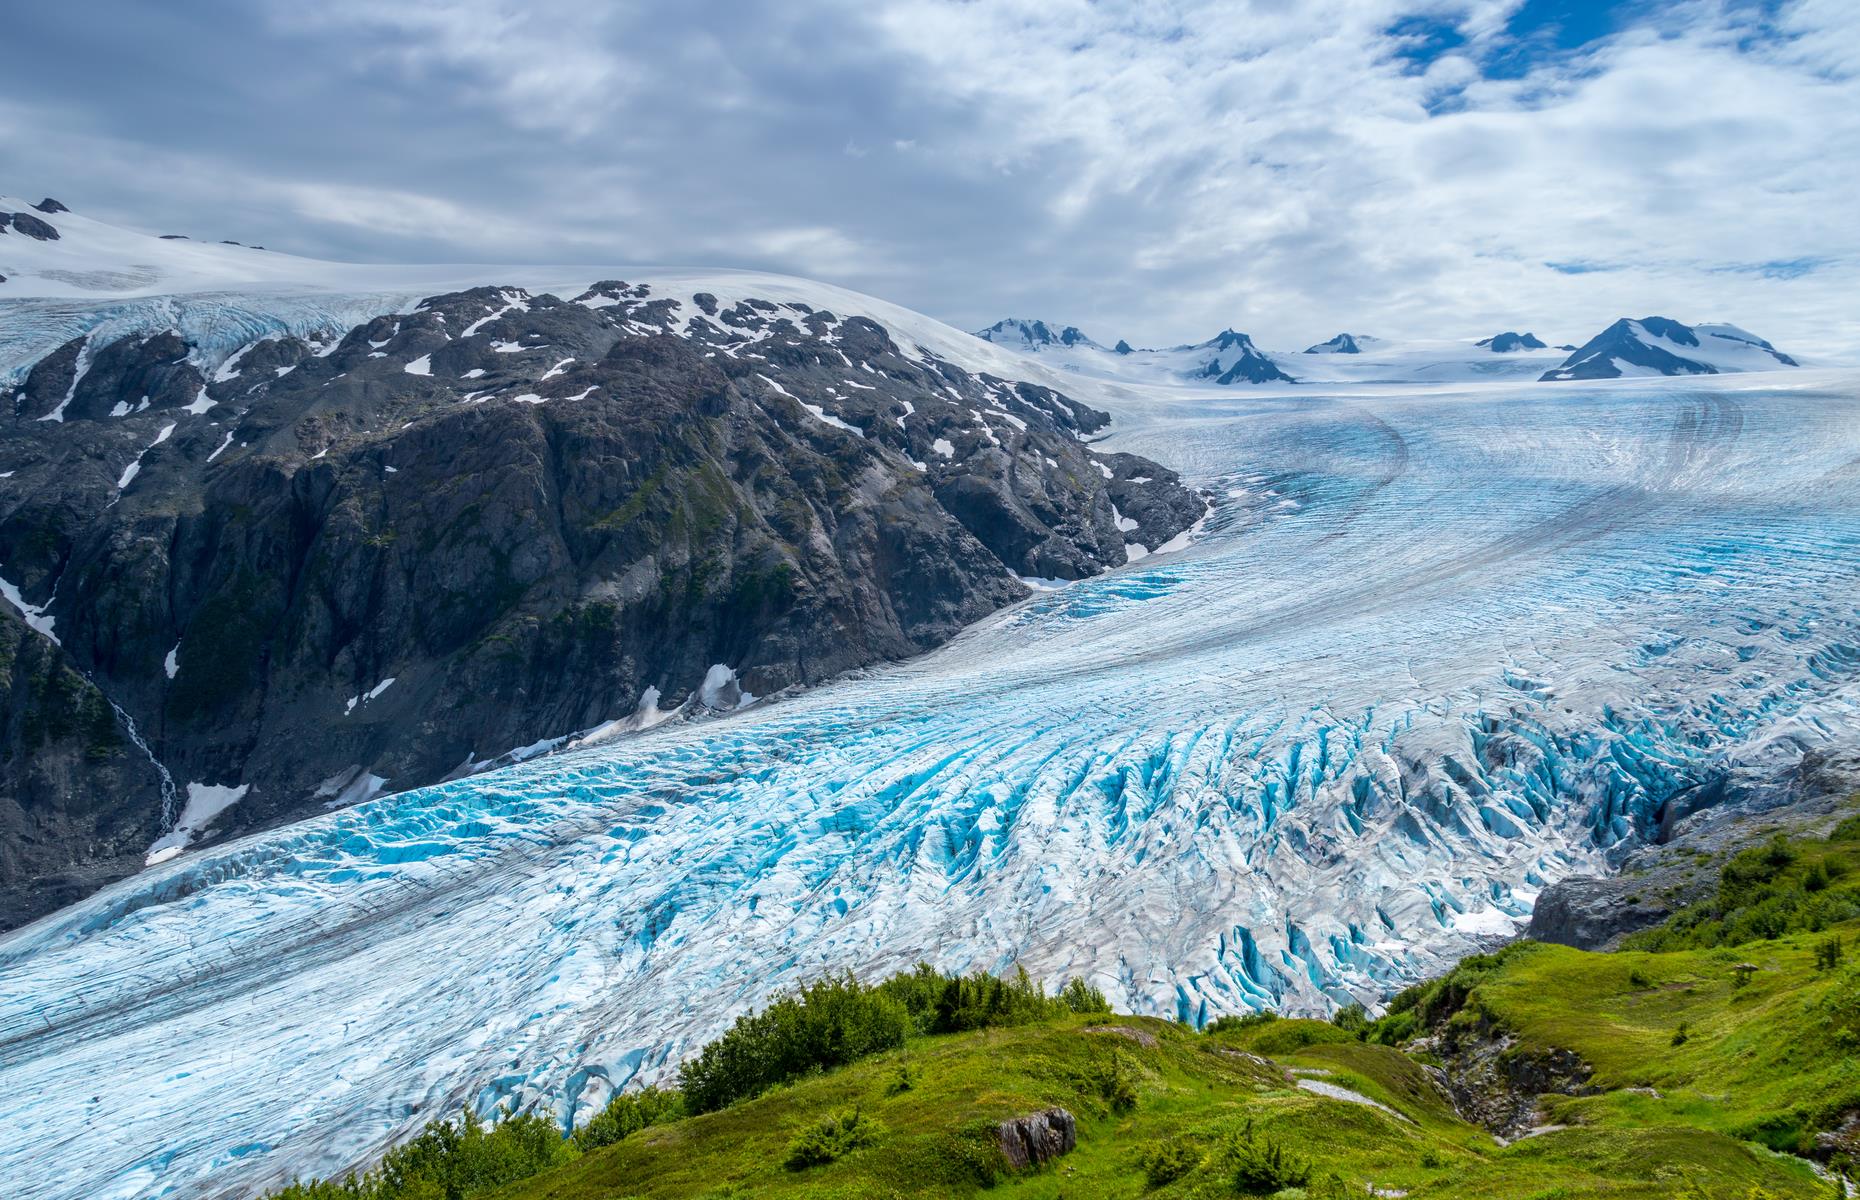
1150, 169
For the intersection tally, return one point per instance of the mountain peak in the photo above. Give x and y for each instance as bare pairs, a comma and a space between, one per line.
1663, 346
1343, 343
1510, 342
1022, 333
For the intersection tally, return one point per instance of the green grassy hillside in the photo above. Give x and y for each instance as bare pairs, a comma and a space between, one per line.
1706, 1070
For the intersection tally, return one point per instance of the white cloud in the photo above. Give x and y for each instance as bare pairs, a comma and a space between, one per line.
1152, 169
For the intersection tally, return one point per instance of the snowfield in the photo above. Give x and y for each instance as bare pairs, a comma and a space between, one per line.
1431, 651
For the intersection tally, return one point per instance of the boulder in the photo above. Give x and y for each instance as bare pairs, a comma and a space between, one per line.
1038, 1137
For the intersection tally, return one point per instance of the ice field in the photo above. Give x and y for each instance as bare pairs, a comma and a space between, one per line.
1430, 652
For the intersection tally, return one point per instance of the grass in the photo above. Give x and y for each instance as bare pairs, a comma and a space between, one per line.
1195, 1094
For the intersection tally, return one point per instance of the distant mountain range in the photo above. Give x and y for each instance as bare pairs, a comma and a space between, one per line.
1649, 346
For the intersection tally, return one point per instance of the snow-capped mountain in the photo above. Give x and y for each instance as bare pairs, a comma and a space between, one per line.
1661, 346
1226, 359
1231, 357
1030, 337
1510, 342
1343, 343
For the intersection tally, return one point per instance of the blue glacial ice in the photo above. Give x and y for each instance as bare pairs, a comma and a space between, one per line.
1431, 652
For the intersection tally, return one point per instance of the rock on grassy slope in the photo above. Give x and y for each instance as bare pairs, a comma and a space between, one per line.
321, 569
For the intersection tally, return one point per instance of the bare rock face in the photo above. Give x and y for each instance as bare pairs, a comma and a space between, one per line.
34, 228
1495, 1083
48, 206
318, 571
1697, 830
1038, 1137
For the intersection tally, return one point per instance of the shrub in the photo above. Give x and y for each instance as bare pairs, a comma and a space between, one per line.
1393, 1029
452, 1161
628, 1114
940, 1003
825, 1024
1682, 1034
831, 1138
1082, 997
1841, 1006
1233, 1024
904, 1080
1828, 954
1352, 1018
1283, 1037
1113, 1080
1167, 1161
1261, 1166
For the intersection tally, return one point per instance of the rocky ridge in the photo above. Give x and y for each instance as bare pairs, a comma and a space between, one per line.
324, 568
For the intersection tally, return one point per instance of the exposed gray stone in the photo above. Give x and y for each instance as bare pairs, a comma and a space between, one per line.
1038, 1137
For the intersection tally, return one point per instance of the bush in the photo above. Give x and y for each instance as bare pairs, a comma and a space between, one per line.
1828, 954
1285, 1036
1841, 1006
1167, 1161
1231, 1024
628, 1114
1114, 1082
1082, 997
1261, 1166
452, 1161
940, 1003
831, 1138
828, 1023
1352, 1018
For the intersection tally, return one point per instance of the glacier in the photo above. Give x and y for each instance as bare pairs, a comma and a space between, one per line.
1431, 651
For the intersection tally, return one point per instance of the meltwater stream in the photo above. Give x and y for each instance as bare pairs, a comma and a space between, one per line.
1430, 653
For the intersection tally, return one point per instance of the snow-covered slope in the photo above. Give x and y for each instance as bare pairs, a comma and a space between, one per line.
1228, 358
98, 276
1033, 336
1233, 358
1343, 343
1660, 346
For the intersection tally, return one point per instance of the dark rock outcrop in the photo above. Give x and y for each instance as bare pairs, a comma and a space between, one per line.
1038, 1138
33, 227
65, 764
504, 519
1511, 342
48, 206
1697, 830
1343, 343
1496, 1083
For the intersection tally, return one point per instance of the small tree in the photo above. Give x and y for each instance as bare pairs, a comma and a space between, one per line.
1262, 1166
1828, 954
